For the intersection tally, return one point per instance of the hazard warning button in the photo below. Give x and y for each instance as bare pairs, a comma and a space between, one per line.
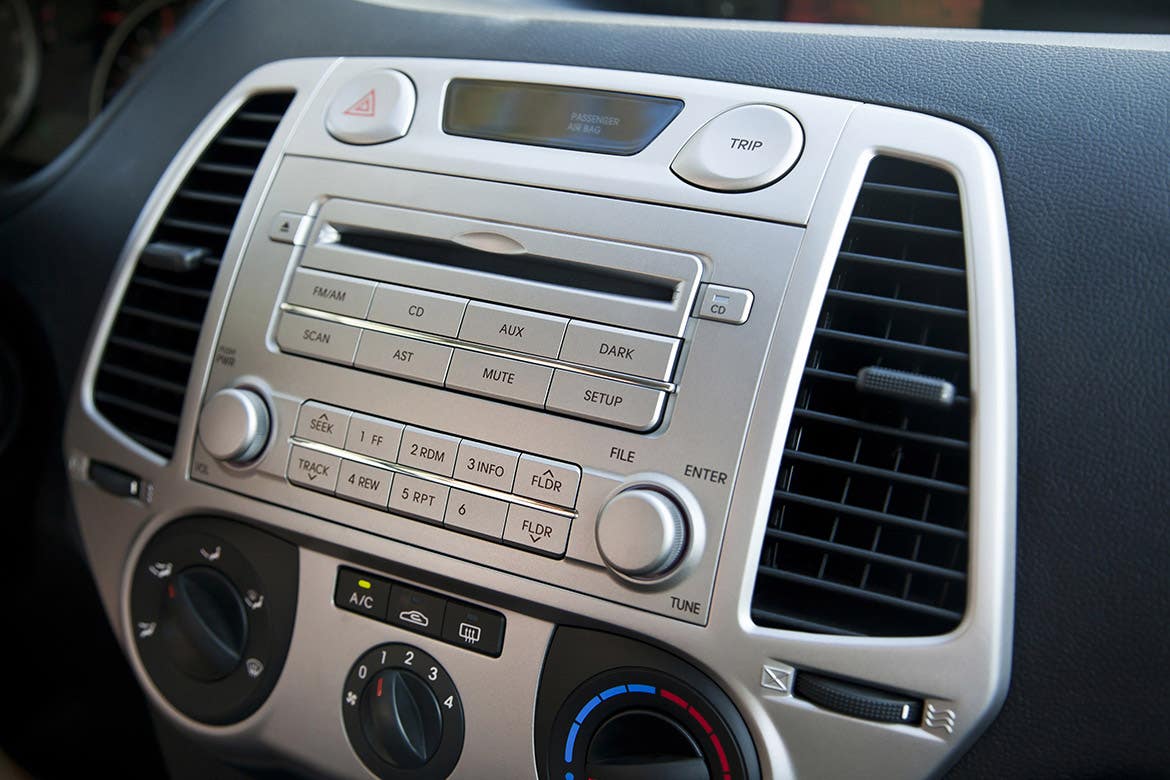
372, 108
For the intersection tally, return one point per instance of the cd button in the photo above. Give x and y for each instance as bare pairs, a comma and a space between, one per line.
495, 377
600, 346
522, 331
429, 312
331, 293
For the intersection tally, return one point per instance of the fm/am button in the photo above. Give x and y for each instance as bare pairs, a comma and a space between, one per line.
336, 294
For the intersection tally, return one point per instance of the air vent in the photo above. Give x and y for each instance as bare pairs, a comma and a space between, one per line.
142, 377
867, 532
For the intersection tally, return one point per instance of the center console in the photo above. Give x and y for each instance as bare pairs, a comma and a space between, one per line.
453, 418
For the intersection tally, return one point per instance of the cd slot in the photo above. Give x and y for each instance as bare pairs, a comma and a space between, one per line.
526, 267
589, 278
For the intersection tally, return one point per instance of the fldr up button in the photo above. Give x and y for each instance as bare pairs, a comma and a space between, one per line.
372, 108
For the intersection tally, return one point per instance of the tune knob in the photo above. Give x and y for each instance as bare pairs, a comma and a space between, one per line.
233, 425
642, 532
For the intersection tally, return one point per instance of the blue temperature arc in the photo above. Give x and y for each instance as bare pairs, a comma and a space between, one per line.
608, 693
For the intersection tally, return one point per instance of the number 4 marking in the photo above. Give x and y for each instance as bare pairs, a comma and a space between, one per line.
449, 702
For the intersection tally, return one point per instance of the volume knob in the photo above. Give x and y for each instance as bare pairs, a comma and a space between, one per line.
642, 533
233, 425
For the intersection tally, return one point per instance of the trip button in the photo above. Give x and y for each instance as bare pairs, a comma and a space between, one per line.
429, 451
361, 593
742, 149
416, 610
313, 470
372, 108
319, 339
537, 531
616, 349
547, 480
364, 484
604, 400
473, 628
322, 424
430, 312
418, 498
522, 331
330, 293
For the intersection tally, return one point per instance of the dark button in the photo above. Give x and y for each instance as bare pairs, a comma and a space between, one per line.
416, 610
115, 481
361, 593
476, 629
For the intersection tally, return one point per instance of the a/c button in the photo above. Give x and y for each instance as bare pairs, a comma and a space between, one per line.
359, 592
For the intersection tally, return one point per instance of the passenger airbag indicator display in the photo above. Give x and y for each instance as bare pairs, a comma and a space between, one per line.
585, 120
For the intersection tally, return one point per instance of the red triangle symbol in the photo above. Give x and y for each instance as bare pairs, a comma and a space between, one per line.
365, 106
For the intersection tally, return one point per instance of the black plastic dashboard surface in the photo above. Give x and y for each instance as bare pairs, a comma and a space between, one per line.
1080, 130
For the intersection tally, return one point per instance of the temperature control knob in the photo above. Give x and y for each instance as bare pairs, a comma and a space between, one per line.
233, 425
642, 532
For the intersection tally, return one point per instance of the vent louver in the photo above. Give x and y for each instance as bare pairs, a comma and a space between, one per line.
867, 532
143, 373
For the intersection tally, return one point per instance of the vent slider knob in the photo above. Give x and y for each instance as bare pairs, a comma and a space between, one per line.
234, 425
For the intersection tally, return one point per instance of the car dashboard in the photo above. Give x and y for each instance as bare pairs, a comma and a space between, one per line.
484, 393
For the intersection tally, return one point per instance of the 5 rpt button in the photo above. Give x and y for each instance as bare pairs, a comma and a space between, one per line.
742, 149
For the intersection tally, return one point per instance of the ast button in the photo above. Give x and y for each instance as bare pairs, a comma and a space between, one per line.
313, 470
322, 424
416, 610
547, 480
399, 356
476, 629
359, 592
537, 531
